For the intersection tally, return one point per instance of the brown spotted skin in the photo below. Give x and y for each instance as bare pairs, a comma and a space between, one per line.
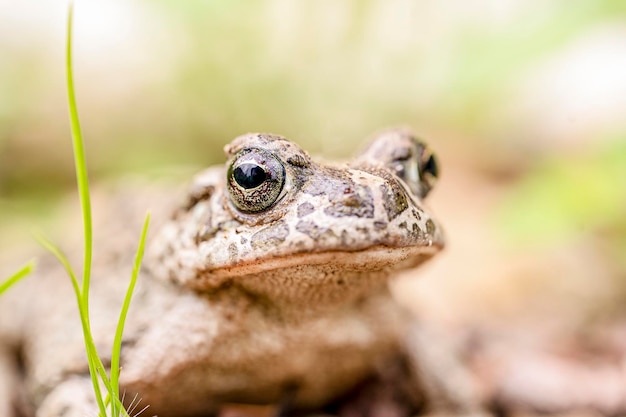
236, 306
323, 210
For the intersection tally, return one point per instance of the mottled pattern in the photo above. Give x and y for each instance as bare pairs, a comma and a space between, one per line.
394, 200
305, 208
270, 236
323, 209
314, 231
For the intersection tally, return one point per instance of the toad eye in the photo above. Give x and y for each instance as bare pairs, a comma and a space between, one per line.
428, 170
249, 175
255, 180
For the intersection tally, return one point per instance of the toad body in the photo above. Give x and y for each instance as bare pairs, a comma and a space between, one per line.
271, 277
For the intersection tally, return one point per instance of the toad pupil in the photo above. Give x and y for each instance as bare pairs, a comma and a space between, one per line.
431, 167
249, 175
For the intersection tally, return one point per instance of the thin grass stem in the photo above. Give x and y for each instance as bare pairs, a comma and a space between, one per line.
90, 348
82, 178
17, 277
117, 343
97, 370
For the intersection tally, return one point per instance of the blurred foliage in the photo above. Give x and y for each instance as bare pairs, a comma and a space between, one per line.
566, 197
486, 64
324, 73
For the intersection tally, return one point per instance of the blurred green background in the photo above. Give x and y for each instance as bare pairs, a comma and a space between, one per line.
525, 101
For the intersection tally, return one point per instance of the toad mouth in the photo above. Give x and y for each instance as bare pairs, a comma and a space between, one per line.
374, 258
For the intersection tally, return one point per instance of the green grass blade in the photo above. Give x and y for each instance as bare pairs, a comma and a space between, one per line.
92, 355
54, 250
117, 343
82, 293
16, 277
82, 179
96, 367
